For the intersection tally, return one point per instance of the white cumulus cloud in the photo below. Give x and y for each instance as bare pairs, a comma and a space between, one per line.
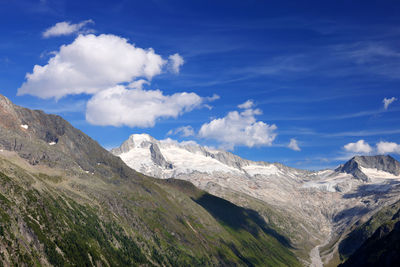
65, 28
89, 65
358, 147
184, 131
387, 101
175, 61
239, 129
114, 72
388, 147
294, 145
119, 106
247, 104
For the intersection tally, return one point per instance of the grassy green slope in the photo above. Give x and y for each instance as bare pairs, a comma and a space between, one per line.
252, 237
49, 218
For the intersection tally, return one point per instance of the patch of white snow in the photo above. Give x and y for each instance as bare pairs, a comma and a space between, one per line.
185, 161
377, 174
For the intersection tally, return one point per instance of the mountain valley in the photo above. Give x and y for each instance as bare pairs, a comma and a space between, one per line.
314, 209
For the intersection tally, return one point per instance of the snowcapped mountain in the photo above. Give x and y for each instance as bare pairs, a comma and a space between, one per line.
316, 206
367, 168
168, 158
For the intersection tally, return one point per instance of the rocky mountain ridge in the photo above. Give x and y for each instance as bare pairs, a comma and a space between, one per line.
49, 139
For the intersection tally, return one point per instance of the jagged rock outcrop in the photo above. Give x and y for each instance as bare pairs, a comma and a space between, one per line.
158, 158
353, 167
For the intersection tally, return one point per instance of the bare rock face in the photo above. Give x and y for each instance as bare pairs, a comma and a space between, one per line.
49, 139
8, 117
158, 158
353, 167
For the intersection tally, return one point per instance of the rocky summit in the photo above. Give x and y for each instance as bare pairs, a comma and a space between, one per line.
380, 163
315, 209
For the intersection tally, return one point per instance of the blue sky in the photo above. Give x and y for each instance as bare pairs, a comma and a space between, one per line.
312, 74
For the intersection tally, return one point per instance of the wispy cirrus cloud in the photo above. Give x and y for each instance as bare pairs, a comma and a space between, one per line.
366, 52
364, 113
184, 131
334, 59
362, 133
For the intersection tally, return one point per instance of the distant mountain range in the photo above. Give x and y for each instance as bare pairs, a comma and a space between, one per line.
315, 209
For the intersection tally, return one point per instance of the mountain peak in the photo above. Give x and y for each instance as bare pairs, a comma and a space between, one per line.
134, 141
356, 165
138, 138
4, 100
380, 162
8, 116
